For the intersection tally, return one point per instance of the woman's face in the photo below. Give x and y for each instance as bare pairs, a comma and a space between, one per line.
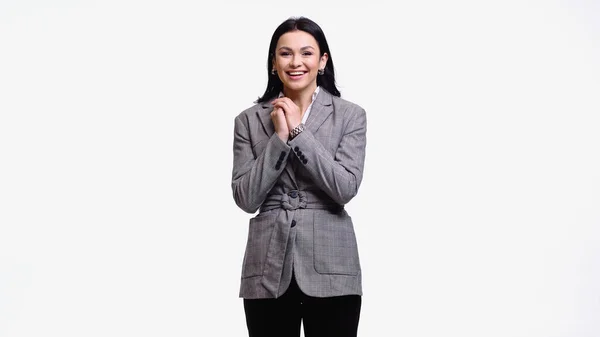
297, 61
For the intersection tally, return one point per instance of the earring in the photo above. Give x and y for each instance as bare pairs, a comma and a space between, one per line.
273, 71
321, 71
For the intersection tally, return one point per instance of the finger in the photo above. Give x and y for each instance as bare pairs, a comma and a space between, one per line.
289, 105
277, 114
275, 101
288, 101
284, 106
285, 101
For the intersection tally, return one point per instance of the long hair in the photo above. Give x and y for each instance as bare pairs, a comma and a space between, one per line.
326, 81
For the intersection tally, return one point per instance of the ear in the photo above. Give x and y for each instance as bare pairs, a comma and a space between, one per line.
323, 61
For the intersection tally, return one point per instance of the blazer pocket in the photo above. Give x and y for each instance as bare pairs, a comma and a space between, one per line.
335, 247
259, 236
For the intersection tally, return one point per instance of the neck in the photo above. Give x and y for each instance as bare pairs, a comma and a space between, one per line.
301, 98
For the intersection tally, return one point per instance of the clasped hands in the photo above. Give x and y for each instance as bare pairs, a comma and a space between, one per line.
286, 115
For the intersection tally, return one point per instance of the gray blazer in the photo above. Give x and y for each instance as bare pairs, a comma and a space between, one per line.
300, 188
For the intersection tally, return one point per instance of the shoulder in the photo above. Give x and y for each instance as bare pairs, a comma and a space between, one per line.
340, 105
251, 112
347, 107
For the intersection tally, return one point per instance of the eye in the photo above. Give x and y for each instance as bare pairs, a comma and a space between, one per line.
284, 53
307, 53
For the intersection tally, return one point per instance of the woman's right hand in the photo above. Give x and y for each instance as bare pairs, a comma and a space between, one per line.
280, 123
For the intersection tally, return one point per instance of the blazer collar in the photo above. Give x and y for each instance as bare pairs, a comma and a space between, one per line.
321, 109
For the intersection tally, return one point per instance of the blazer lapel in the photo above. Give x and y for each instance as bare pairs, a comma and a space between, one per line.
321, 109
265, 119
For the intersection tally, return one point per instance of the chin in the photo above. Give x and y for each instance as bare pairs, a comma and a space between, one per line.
296, 86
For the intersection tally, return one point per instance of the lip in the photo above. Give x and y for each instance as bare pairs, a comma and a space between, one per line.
296, 77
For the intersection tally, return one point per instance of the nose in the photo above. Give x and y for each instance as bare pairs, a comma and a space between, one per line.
295, 61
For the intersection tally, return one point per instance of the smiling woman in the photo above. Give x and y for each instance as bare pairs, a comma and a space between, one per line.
298, 159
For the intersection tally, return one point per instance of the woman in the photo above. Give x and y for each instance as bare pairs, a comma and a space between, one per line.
298, 159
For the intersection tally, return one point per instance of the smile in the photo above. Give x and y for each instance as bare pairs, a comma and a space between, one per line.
294, 75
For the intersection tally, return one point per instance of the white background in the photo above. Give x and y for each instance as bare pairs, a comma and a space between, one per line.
479, 212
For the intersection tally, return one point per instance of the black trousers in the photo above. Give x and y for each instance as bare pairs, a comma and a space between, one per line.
281, 317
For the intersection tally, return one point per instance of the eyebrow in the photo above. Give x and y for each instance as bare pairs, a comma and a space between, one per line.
303, 48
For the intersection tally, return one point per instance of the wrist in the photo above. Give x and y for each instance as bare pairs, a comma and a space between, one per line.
284, 136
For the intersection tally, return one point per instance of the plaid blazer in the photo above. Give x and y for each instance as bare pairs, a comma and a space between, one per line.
300, 188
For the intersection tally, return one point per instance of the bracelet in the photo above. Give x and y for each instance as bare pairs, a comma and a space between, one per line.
296, 131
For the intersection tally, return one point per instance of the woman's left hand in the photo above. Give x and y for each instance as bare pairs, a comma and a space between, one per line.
292, 112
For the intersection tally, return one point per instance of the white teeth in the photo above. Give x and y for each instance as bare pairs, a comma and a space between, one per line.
297, 73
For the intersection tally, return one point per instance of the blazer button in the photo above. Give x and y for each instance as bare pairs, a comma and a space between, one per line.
296, 149
282, 155
293, 194
299, 153
278, 165
304, 161
293, 223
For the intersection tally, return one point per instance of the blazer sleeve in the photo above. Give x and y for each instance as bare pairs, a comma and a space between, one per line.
253, 177
339, 175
